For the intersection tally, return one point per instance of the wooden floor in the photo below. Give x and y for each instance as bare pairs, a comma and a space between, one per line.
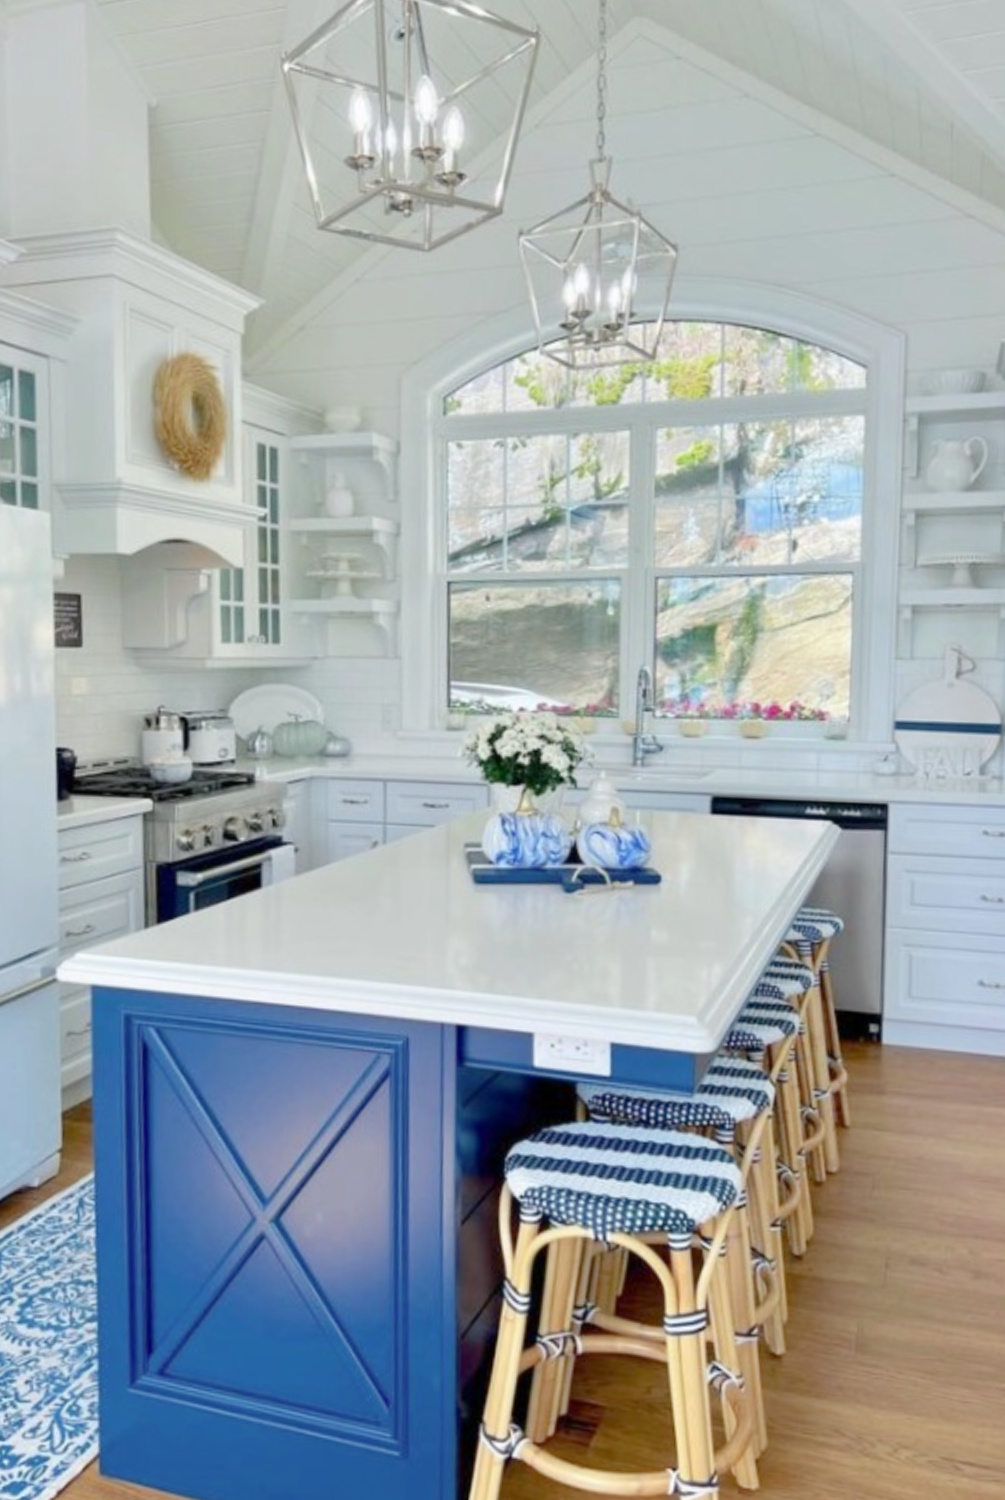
894, 1384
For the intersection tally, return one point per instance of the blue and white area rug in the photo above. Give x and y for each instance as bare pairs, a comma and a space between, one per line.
48, 1346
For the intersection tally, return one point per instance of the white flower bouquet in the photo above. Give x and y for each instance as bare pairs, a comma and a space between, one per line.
534, 750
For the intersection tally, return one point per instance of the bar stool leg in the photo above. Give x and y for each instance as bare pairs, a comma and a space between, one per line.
555, 1328
839, 1073
799, 1225
729, 1353
821, 1074
494, 1436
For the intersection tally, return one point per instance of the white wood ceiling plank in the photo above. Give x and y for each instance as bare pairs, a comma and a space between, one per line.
207, 105
191, 135
152, 50
942, 23
943, 246
209, 160
990, 82
903, 300
973, 55
205, 74
126, 18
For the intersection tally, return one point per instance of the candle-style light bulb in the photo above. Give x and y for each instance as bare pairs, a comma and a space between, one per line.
361, 123
427, 104
360, 111
453, 129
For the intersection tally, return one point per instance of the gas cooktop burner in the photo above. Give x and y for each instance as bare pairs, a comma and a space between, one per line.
136, 781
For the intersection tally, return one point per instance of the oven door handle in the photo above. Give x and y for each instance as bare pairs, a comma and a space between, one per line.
191, 880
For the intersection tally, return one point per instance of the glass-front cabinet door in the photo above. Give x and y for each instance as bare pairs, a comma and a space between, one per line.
24, 397
250, 599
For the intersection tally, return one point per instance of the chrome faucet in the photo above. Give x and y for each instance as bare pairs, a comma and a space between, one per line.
643, 744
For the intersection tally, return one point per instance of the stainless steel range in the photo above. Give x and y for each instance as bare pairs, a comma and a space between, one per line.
206, 840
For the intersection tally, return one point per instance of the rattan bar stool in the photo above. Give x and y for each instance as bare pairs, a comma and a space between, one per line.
733, 1104
586, 1183
790, 983
809, 939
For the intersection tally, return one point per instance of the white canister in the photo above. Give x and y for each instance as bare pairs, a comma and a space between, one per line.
156, 743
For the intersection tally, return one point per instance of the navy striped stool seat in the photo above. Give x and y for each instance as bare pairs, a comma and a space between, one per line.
582, 1188
761, 1023
813, 925
610, 1179
785, 979
809, 939
731, 1090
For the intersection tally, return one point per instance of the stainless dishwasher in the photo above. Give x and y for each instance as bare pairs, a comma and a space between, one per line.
853, 885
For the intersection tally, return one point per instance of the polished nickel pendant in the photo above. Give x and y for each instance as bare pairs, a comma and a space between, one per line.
407, 114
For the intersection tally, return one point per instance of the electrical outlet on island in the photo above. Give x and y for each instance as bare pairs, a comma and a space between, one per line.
572, 1054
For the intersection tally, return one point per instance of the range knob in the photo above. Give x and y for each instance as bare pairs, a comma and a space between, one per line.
207, 835
233, 830
185, 839
277, 817
255, 822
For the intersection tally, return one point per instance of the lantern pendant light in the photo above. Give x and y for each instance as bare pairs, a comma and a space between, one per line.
407, 114
593, 267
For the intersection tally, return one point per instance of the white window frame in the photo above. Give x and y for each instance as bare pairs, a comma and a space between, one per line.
424, 616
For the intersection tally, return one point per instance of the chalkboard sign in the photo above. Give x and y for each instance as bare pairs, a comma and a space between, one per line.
68, 620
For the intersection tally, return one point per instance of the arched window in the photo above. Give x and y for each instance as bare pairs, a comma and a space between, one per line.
713, 516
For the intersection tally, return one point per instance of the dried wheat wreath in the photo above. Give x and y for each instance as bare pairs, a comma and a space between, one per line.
190, 415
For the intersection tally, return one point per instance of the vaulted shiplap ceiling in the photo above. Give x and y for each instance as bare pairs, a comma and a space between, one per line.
922, 78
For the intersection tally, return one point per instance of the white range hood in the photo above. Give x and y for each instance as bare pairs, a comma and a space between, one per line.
136, 305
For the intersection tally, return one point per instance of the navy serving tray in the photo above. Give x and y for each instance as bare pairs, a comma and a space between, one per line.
571, 876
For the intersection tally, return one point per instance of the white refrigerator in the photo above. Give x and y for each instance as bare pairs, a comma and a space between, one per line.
30, 1120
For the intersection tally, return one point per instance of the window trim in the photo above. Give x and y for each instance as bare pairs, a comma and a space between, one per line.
424, 385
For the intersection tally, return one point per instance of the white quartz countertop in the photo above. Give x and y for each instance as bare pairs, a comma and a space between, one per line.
79, 812
403, 931
771, 781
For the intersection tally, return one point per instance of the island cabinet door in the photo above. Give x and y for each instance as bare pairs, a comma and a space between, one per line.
276, 1287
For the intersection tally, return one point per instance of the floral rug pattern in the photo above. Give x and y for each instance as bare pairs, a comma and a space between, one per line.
48, 1346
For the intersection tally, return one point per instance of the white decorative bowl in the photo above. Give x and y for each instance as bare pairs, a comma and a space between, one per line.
955, 382
171, 772
343, 419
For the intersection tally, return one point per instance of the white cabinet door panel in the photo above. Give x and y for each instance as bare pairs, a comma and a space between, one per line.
100, 849
965, 831
355, 801
961, 895
939, 980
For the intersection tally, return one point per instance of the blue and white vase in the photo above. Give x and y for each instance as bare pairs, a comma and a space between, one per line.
613, 846
526, 839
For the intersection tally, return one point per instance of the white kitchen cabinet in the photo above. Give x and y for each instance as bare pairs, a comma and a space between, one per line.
939, 523
344, 564
101, 897
24, 437
362, 814
944, 979
299, 826
354, 817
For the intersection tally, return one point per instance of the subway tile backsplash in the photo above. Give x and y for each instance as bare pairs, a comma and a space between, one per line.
104, 690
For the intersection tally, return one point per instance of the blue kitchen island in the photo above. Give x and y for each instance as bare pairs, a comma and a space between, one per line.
302, 1100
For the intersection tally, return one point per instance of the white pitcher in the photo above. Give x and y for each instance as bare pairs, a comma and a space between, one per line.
953, 465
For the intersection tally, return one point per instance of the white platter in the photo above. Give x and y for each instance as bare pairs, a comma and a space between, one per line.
272, 703
948, 728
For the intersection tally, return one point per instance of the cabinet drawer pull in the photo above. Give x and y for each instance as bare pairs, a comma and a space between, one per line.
80, 931
74, 859
435, 806
993, 833
86, 1032
355, 801
994, 900
991, 984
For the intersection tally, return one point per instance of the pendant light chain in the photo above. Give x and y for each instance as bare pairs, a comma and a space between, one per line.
599, 274
602, 82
